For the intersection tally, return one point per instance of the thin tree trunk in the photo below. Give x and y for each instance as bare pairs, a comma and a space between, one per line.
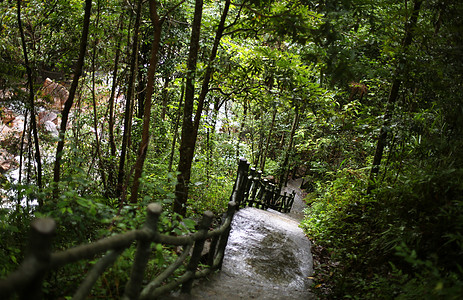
112, 143
165, 97
141, 85
112, 184
70, 100
177, 121
241, 131
213, 120
253, 133
30, 80
393, 95
157, 24
128, 102
21, 148
209, 133
261, 142
267, 144
95, 115
189, 130
186, 144
21, 157
284, 175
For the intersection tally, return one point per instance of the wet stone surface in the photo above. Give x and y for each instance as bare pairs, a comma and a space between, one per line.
269, 248
278, 266
267, 257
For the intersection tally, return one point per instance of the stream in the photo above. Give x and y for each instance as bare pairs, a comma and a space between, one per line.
267, 257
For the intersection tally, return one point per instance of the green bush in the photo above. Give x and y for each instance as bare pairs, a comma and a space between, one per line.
404, 240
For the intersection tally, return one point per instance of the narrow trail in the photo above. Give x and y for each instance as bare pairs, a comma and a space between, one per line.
297, 211
267, 257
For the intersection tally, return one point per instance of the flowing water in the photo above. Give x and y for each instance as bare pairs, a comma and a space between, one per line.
267, 257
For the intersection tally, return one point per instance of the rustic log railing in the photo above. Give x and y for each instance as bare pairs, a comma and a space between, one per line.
254, 191
27, 280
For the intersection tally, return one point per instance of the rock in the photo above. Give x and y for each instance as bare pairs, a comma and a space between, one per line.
6, 115
51, 128
45, 116
7, 161
269, 248
267, 258
10, 134
56, 93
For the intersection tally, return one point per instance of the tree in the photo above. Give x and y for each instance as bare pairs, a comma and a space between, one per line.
410, 27
190, 127
143, 148
128, 114
70, 100
157, 24
30, 80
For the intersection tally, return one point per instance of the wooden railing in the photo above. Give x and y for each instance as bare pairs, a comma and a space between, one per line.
254, 191
27, 280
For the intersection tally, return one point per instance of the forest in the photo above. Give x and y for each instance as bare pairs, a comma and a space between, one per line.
108, 105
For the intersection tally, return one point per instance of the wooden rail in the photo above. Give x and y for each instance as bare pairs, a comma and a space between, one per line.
27, 280
254, 191
249, 190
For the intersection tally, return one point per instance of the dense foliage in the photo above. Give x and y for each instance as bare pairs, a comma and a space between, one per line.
403, 237
325, 90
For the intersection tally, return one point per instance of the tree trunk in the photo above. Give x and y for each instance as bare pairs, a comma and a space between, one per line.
177, 121
143, 60
95, 113
70, 100
267, 144
112, 183
241, 131
260, 144
165, 97
393, 95
128, 102
157, 24
21, 149
284, 175
187, 141
112, 143
189, 128
213, 122
30, 80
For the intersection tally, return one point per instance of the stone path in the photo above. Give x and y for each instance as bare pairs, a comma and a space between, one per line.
267, 257
297, 210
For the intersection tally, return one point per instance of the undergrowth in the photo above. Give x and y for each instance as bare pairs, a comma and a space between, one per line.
404, 241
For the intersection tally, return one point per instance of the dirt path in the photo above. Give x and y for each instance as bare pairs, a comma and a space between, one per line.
267, 257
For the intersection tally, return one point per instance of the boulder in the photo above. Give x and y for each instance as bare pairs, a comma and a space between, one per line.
55, 93
6, 115
7, 161
45, 116
51, 128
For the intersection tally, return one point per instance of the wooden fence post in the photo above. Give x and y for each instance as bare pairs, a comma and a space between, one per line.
224, 237
212, 251
254, 188
133, 288
244, 181
240, 182
38, 260
198, 248
248, 187
291, 201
